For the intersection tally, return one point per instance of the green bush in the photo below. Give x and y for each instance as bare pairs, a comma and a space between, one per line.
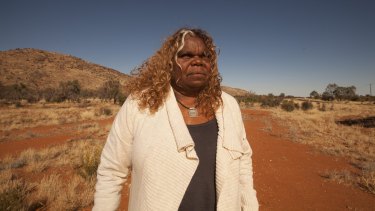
270, 101
307, 105
288, 105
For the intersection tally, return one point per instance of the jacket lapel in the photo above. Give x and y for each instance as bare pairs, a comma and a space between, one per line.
181, 133
229, 146
232, 135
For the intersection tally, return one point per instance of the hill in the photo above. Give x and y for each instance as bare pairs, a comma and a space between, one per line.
235, 91
39, 69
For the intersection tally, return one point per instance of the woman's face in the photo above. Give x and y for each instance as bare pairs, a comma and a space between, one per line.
193, 68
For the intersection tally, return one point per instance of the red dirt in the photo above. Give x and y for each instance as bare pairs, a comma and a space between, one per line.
286, 174
47, 136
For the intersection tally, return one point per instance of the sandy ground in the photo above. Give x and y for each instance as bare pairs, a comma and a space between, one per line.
287, 175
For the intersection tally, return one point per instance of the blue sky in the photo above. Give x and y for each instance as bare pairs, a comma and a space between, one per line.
266, 46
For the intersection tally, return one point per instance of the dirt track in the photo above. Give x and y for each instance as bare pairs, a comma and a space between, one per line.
287, 175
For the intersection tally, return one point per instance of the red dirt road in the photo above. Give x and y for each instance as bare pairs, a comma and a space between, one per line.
287, 174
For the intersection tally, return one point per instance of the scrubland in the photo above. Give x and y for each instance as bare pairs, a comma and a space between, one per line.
31, 115
56, 177
62, 176
353, 138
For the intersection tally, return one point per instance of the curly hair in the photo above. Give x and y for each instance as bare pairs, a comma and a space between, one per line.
150, 83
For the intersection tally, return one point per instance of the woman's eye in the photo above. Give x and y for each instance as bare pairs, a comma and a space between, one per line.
185, 55
206, 55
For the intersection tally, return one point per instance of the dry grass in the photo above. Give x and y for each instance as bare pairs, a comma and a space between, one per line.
319, 129
54, 193
41, 114
13, 192
78, 160
341, 177
60, 177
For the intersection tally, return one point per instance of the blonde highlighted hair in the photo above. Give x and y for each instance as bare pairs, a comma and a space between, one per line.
151, 80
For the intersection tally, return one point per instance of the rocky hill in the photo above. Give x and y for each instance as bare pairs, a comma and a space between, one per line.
235, 91
39, 69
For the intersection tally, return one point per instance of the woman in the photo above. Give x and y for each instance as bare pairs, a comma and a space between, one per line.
182, 138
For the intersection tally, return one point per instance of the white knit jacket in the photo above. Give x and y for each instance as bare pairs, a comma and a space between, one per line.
160, 153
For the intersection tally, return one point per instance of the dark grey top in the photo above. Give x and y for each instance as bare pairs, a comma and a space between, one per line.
201, 192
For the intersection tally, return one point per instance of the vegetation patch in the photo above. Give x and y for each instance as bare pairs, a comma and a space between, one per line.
323, 131
288, 105
13, 192
367, 122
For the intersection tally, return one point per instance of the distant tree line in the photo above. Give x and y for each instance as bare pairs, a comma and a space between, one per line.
272, 101
335, 92
269, 100
66, 91
332, 92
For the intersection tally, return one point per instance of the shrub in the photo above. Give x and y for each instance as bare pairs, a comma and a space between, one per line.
90, 160
19, 163
51, 95
270, 101
249, 99
306, 105
18, 104
367, 181
110, 90
121, 98
13, 194
105, 111
288, 105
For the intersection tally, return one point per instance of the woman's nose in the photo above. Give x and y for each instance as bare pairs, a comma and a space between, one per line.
197, 60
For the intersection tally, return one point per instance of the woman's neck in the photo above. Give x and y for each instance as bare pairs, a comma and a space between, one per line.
188, 100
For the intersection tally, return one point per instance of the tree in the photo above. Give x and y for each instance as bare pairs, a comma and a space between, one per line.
333, 91
18, 92
345, 93
314, 94
328, 94
110, 90
70, 90
52, 95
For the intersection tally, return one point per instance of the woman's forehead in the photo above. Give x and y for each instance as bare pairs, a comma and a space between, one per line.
193, 42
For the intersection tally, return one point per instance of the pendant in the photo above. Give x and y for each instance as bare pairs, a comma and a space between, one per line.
193, 112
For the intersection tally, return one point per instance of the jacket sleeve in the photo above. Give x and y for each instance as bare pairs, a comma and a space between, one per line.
115, 160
